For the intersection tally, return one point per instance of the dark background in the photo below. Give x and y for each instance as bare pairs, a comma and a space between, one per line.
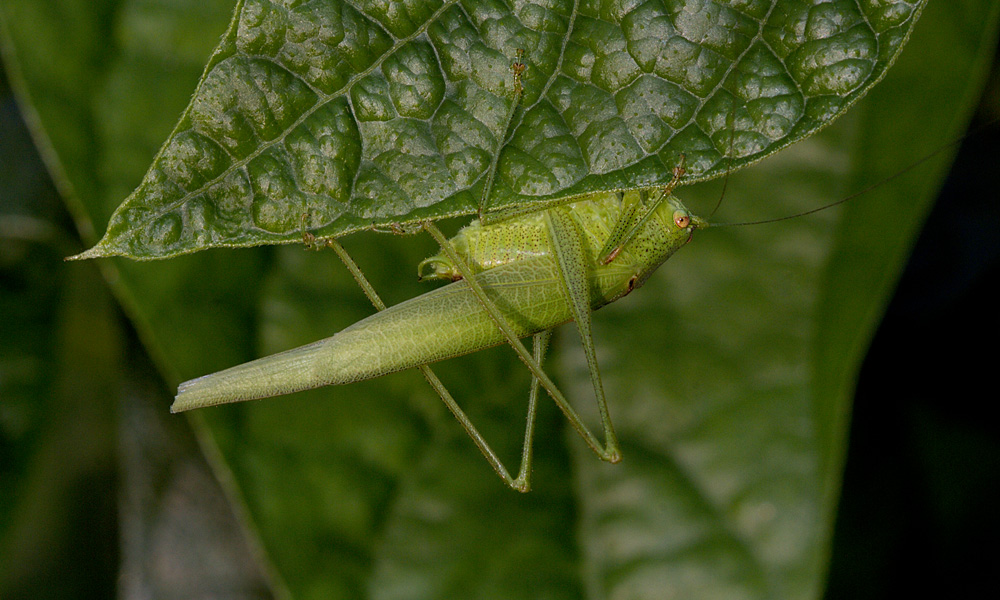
919, 512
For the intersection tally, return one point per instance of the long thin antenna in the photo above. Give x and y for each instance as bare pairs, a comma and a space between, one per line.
731, 123
864, 191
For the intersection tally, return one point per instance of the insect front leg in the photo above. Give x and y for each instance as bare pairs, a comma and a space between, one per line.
630, 204
628, 226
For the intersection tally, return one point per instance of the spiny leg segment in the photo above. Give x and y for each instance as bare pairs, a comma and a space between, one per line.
517, 69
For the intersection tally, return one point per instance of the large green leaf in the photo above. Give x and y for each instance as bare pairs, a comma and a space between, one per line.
349, 115
729, 373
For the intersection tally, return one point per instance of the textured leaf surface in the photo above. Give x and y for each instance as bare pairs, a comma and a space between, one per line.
339, 116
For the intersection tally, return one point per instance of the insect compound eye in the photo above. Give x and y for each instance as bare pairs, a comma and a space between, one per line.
682, 220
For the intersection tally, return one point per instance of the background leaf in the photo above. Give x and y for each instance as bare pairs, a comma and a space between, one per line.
56, 418
344, 116
79, 67
729, 373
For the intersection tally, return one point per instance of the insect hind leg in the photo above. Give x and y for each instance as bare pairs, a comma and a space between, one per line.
517, 69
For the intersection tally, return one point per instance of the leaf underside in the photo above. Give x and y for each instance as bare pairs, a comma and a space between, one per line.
334, 117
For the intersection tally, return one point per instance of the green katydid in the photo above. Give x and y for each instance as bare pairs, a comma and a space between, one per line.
518, 277
521, 276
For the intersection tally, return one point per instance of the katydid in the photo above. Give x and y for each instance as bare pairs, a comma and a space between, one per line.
519, 277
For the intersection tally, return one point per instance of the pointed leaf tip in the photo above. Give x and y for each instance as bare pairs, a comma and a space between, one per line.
94, 252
